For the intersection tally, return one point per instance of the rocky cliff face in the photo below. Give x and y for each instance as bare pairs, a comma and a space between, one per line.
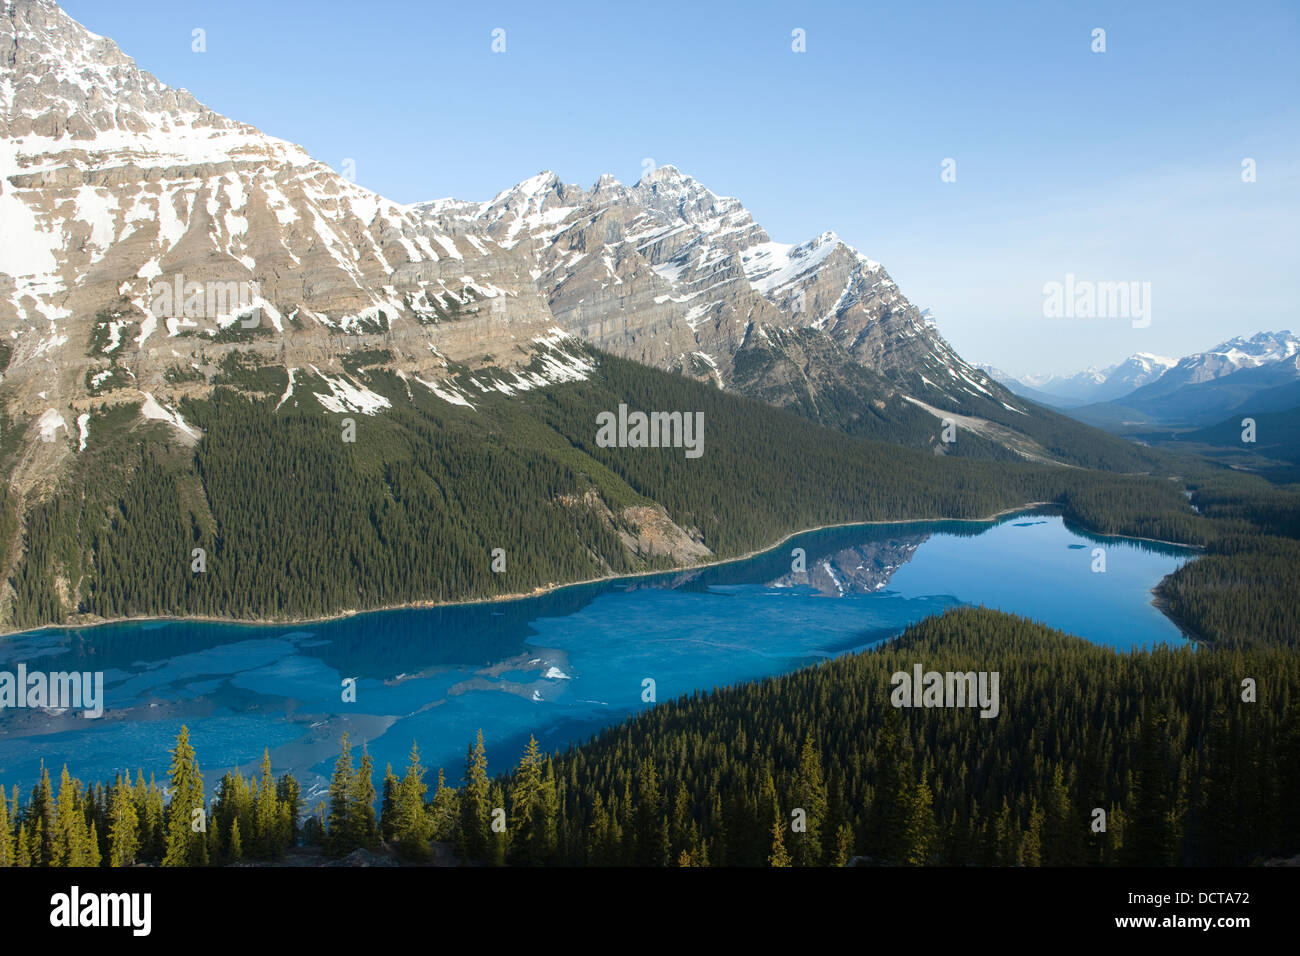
668, 273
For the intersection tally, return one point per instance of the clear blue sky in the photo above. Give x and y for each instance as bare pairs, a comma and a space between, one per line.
1115, 166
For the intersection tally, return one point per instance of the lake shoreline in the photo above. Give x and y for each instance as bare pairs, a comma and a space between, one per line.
541, 591
90, 622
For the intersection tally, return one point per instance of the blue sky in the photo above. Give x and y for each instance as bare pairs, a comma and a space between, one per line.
1115, 166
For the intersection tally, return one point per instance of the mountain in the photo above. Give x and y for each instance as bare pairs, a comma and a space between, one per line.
1256, 374
1131, 374
669, 274
1090, 385
1021, 387
1228, 357
672, 275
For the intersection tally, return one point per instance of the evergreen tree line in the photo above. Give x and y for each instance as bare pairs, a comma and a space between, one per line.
124, 824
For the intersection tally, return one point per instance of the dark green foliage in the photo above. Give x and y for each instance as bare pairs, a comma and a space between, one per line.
248, 371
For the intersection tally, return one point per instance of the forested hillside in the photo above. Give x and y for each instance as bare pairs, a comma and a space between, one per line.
293, 520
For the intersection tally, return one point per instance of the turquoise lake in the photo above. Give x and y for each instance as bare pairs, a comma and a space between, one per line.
561, 665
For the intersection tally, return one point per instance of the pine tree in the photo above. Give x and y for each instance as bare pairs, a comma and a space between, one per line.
920, 833
22, 847
289, 792
184, 847
93, 856
779, 856
236, 843
123, 825
266, 814
810, 796
412, 822
361, 804
6, 835
473, 834
340, 840
388, 806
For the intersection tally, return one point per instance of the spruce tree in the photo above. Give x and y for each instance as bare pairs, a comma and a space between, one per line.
236, 843
93, 857
69, 842
41, 814
525, 792
778, 856
920, 834
123, 825
651, 847
388, 805
843, 845
361, 804
22, 847
412, 823
499, 836
810, 795
1151, 840
216, 856
444, 809
290, 793
6, 835
340, 839
184, 846
266, 813
473, 835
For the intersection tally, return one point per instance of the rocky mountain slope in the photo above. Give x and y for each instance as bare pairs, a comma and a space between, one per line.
670, 274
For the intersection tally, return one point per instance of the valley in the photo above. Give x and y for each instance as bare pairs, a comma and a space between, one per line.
308, 482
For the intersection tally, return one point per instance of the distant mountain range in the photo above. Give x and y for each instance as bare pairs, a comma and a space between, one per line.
1248, 375
1090, 385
